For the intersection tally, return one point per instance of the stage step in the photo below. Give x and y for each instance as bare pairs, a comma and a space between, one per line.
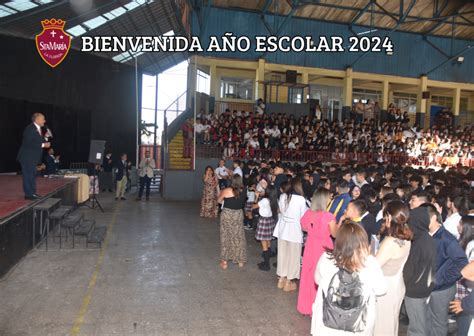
85, 227
60, 212
97, 236
72, 220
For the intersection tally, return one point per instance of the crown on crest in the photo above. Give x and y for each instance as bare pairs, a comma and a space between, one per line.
53, 23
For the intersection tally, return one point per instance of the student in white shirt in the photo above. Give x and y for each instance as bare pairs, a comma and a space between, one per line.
292, 206
456, 206
254, 142
268, 212
222, 174
237, 169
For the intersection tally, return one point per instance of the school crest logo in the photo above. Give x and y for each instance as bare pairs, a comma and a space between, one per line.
53, 43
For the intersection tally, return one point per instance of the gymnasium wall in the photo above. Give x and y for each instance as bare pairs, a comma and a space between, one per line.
85, 97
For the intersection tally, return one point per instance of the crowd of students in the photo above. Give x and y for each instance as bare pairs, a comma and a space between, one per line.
357, 242
244, 134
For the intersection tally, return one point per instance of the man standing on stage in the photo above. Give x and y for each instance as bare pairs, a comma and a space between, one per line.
30, 154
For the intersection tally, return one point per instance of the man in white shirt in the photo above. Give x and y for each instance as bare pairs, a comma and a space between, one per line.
237, 169
146, 173
254, 142
222, 174
456, 205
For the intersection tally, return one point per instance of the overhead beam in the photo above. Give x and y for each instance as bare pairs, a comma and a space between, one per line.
462, 52
262, 16
379, 12
444, 20
402, 19
294, 7
361, 12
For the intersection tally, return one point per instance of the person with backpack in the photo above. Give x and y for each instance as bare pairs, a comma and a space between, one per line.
349, 280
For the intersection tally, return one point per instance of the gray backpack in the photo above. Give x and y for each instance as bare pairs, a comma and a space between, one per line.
344, 306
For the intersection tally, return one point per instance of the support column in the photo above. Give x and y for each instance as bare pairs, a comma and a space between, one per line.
304, 80
347, 94
214, 82
385, 101
420, 102
191, 82
260, 77
456, 105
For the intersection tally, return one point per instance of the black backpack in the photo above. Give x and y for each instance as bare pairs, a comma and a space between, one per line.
344, 306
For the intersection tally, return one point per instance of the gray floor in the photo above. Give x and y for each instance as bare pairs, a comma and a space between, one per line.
158, 275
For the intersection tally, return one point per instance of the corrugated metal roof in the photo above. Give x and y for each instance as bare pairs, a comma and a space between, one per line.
435, 17
152, 18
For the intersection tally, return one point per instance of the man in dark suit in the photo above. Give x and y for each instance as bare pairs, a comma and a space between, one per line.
51, 162
30, 154
122, 176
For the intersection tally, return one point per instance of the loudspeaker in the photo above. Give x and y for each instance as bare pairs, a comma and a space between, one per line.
96, 151
425, 95
291, 76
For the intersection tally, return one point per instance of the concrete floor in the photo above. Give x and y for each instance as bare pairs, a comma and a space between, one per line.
158, 274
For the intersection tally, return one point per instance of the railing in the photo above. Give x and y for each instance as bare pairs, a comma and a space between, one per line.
205, 151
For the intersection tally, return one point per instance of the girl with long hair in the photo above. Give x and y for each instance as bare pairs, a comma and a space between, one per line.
268, 215
350, 255
233, 243
320, 225
292, 206
464, 287
392, 256
209, 207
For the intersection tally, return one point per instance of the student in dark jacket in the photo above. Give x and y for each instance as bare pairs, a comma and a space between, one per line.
106, 178
122, 176
339, 204
357, 211
419, 272
30, 154
450, 260
464, 307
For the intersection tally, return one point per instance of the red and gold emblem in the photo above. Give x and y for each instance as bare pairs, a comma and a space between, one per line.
53, 43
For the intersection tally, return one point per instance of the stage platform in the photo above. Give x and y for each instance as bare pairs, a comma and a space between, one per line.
16, 214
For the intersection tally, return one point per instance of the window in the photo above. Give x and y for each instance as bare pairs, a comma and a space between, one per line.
203, 82
406, 102
295, 95
442, 101
365, 95
237, 88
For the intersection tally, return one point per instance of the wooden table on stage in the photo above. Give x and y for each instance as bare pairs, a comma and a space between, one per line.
82, 186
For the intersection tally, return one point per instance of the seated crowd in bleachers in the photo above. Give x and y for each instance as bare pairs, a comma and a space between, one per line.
241, 134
